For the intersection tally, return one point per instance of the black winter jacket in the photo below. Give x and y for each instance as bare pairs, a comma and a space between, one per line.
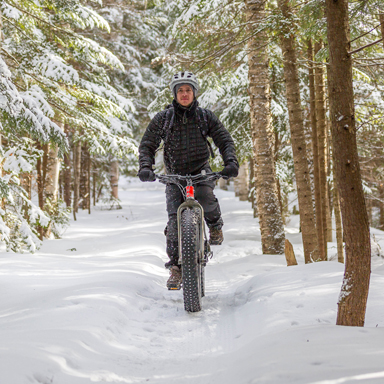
185, 149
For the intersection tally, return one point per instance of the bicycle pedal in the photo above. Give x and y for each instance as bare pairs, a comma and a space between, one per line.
174, 288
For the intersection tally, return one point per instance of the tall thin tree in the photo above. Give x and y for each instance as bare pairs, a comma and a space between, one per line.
271, 223
299, 147
315, 154
321, 145
354, 290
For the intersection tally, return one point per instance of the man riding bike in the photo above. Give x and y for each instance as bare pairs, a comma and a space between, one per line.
184, 128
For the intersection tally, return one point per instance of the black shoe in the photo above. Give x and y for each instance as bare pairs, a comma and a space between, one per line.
215, 236
174, 281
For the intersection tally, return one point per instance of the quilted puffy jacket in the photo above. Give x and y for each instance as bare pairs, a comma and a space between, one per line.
185, 149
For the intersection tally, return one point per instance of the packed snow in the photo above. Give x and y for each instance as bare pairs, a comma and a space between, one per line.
92, 307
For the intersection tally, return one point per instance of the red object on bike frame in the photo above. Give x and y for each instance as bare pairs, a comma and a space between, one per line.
190, 192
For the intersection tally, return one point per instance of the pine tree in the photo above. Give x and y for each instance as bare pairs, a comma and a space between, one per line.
307, 219
52, 74
354, 291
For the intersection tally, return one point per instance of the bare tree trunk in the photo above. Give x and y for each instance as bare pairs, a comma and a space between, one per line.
114, 170
84, 184
368, 201
67, 179
41, 167
271, 223
76, 177
354, 291
1, 35
339, 228
67, 174
381, 205
315, 153
89, 182
241, 182
52, 179
253, 185
94, 185
223, 184
53, 171
321, 144
337, 211
382, 25
299, 148
329, 184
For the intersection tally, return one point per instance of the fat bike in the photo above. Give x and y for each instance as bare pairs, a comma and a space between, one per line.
194, 248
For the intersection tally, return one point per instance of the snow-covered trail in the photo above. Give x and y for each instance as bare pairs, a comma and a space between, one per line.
93, 307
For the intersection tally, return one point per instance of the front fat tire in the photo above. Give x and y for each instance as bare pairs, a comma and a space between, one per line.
191, 269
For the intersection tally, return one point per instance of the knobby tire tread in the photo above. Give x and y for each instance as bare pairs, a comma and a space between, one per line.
191, 268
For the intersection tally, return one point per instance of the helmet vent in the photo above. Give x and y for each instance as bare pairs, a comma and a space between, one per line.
184, 78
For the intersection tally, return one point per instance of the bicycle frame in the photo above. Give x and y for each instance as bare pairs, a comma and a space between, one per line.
191, 203
194, 249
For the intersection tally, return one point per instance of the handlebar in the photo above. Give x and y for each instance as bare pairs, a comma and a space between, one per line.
195, 179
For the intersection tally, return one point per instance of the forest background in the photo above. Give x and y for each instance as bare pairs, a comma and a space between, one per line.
80, 80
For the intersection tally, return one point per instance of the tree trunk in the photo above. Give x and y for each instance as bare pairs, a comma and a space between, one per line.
381, 205
94, 184
52, 180
338, 221
223, 184
1, 36
67, 179
252, 178
382, 25
67, 174
271, 223
329, 186
339, 228
241, 182
299, 148
84, 182
315, 154
368, 201
114, 170
321, 144
89, 182
41, 167
76, 177
53, 171
354, 291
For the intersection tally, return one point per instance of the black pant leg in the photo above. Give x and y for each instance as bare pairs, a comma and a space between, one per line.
174, 199
212, 213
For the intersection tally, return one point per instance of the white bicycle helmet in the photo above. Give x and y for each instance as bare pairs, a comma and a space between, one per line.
183, 78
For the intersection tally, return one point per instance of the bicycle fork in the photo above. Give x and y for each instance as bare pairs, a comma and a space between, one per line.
191, 203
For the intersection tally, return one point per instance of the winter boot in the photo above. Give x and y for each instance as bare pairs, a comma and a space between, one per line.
215, 236
174, 281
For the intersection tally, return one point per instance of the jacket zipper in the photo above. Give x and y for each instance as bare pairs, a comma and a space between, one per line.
185, 121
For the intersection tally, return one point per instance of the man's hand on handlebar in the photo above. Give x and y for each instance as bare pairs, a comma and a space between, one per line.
230, 170
146, 174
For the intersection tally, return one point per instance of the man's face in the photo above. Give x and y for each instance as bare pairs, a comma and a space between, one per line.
185, 95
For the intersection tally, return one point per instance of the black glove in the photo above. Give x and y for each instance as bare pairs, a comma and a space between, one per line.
230, 170
146, 174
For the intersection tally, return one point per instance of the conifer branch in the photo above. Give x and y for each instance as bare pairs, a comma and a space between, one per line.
21, 31
45, 21
366, 33
365, 46
13, 58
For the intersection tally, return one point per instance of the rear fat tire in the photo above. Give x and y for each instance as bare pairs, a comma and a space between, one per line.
191, 268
